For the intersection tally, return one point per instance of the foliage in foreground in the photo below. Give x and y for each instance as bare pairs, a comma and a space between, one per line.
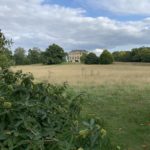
5, 53
39, 116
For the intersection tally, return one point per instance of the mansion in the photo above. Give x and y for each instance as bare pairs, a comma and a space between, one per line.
74, 55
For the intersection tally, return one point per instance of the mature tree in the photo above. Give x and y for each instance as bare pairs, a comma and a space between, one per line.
54, 54
83, 58
123, 56
141, 54
145, 56
34, 55
4, 43
5, 53
91, 58
19, 56
106, 57
136, 54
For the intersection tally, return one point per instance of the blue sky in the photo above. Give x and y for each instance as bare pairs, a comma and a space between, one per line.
77, 24
95, 12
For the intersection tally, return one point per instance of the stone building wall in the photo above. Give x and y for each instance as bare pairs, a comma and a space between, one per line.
74, 56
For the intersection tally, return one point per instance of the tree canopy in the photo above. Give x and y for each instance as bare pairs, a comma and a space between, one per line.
54, 54
5, 53
106, 57
141, 54
91, 58
34, 55
83, 58
19, 56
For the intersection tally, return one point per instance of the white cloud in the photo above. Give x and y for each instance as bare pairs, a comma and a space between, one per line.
140, 7
98, 51
30, 23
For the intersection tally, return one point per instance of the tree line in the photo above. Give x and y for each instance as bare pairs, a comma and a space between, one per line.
105, 58
141, 54
54, 54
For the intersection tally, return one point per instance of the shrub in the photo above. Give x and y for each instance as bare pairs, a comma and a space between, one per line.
91, 58
40, 116
106, 57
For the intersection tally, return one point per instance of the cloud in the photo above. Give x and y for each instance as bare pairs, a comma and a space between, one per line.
98, 51
138, 7
32, 23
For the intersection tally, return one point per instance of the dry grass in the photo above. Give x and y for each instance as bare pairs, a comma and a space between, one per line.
75, 74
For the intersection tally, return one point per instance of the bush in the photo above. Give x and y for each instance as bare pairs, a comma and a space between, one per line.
39, 116
106, 58
91, 58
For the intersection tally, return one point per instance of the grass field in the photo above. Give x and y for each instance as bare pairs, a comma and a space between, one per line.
118, 93
87, 75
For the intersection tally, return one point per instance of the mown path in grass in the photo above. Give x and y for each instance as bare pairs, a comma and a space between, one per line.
125, 110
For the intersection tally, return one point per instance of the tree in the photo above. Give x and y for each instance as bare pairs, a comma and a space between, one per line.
136, 54
54, 54
141, 54
123, 56
91, 58
106, 57
83, 58
4, 43
34, 55
145, 56
5, 53
19, 56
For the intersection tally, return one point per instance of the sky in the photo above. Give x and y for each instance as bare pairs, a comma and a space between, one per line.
76, 24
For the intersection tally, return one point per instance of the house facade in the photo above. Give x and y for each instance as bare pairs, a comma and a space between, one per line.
74, 55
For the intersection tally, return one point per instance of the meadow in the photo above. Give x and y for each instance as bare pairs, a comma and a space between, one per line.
118, 93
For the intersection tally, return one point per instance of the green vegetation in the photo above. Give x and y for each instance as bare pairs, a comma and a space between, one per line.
5, 53
83, 58
54, 54
19, 56
91, 58
125, 109
34, 56
42, 116
106, 57
141, 54
118, 93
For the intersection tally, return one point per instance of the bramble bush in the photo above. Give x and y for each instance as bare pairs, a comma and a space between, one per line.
40, 116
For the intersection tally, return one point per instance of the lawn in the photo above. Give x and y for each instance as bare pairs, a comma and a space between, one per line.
118, 93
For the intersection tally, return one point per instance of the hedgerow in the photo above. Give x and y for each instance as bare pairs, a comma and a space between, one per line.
40, 116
